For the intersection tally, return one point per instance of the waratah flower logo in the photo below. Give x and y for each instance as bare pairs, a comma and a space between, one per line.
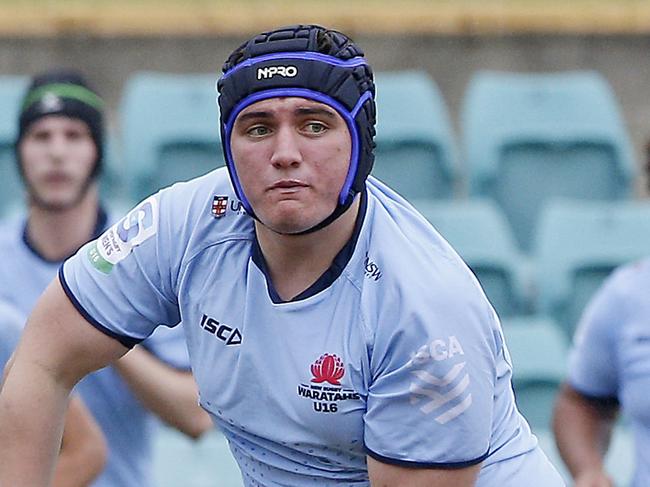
328, 368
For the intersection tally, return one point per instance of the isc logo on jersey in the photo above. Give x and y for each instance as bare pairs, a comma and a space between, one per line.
119, 240
271, 71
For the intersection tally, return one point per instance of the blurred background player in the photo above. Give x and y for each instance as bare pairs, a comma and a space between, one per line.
317, 374
609, 370
59, 151
83, 450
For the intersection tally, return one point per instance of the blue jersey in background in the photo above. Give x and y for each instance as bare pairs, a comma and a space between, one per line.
128, 427
611, 354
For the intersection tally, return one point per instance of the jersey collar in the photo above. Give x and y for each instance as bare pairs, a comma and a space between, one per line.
330, 275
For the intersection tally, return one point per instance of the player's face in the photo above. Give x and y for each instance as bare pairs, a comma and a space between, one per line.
58, 156
292, 156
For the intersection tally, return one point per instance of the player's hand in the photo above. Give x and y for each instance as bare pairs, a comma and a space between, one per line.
594, 478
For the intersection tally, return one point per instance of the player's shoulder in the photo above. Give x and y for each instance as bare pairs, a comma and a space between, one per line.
13, 249
11, 230
633, 273
11, 320
176, 223
628, 282
627, 278
204, 209
409, 247
11, 326
416, 272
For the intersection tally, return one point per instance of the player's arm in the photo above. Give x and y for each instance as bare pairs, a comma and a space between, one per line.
386, 475
170, 393
583, 428
586, 407
58, 347
83, 449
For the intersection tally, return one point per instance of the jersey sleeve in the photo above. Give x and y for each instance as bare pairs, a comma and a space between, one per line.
169, 345
430, 403
124, 282
592, 362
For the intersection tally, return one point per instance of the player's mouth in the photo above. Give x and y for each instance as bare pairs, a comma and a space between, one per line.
57, 178
287, 185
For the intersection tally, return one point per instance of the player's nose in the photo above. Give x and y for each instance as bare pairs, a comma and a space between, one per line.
57, 146
286, 149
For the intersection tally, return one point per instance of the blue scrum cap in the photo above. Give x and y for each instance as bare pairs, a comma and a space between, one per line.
306, 61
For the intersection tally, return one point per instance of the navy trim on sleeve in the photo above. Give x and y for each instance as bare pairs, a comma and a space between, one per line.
441, 465
129, 342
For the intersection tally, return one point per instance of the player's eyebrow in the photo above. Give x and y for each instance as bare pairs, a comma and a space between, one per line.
260, 114
306, 111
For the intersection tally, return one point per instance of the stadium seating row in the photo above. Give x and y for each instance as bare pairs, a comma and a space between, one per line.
529, 138
526, 139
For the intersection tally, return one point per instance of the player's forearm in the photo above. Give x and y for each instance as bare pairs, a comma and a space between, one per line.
83, 450
169, 393
31, 423
582, 432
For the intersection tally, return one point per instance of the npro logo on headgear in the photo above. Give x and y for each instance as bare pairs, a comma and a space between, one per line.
270, 71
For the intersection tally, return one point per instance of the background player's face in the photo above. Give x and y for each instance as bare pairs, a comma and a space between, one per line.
58, 156
292, 156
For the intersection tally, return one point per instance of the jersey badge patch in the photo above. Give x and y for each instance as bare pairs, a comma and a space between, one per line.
325, 389
118, 241
328, 368
219, 206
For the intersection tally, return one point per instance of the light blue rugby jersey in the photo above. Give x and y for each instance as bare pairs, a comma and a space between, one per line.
394, 352
611, 354
127, 426
11, 325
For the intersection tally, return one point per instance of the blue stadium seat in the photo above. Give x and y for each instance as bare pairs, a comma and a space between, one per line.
12, 89
528, 138
170, 129
416, 152
480, 233
539, 350
179, 461
578, 245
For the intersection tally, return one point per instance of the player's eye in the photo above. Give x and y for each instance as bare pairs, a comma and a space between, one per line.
315, 127
258, 131
75, 134
41, 136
